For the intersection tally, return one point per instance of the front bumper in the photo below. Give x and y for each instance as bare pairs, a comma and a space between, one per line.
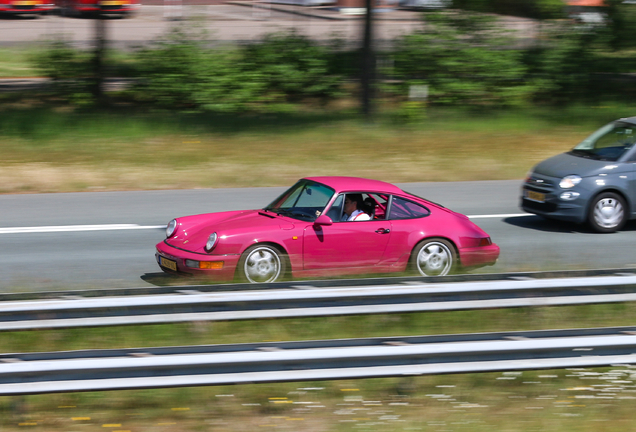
549, 204
179, 257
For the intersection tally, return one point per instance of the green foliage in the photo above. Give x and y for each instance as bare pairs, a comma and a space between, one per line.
69, 68
410, 112
464, 59
180, 71
567, 63
291, 65
621, 19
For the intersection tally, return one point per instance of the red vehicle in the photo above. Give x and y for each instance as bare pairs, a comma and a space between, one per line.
304, 233
35, 7
87, 7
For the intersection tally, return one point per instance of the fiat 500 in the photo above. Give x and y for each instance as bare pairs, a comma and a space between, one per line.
595, 182
305, 233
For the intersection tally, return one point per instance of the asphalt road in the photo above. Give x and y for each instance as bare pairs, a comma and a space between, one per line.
231, 21
37, 257
224, 22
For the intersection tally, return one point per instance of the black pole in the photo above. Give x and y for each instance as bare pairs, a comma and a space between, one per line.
368, 63
98, 58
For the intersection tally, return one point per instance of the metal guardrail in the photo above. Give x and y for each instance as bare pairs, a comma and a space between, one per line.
166, 280
36, 373
306, 300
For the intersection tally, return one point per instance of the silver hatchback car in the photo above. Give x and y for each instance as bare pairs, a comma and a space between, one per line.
595, 182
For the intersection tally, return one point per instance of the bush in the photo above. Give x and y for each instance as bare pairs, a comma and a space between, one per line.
70, 69
293, 66
180, 71
464, 60
566, 63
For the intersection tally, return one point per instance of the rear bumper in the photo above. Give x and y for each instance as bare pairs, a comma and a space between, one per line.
115, 9
479, 256
179, 257
26, 9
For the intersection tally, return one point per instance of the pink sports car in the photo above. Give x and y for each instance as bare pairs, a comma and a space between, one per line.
306, 233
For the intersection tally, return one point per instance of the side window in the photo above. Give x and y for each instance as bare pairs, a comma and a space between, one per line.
405, 209
375, 205
335, 211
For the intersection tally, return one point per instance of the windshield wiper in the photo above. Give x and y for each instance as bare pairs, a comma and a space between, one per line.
588, 154
293, 214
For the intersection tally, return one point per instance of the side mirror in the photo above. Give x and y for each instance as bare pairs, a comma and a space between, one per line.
323, 220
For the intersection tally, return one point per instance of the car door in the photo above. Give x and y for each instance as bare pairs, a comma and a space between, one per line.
345, 244
407, 218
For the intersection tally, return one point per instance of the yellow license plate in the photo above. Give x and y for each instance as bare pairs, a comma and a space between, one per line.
535, 196
26, 3
111, 3
169, 264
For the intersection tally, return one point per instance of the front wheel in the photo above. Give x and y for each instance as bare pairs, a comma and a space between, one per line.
261, 264
607, 213
433, 257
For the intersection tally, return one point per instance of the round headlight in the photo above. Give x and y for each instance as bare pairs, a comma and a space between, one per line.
211, 242
171, 228
570, 181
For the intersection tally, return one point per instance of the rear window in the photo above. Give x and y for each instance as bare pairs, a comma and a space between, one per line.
405, 209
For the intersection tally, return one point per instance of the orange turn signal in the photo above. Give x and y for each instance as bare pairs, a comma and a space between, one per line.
216, 265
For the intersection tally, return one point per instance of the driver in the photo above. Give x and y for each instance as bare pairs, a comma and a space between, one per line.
352, 208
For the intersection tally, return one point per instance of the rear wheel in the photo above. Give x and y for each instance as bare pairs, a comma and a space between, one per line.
261, 264
607, 213
433, 257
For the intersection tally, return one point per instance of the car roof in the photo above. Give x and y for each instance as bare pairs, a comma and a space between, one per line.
631, 120
356, 184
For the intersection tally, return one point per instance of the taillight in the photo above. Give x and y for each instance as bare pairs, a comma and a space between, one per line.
485, 241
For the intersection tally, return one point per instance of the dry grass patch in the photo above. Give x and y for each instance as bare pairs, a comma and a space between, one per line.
210, 160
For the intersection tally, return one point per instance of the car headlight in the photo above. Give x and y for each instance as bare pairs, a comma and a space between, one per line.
211, 242
570, 181
171, 228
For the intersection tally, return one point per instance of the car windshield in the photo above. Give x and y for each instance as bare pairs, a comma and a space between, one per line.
608, 143
306, 200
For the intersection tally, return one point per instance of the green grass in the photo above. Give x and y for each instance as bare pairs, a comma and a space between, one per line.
560, 400
124, 148
16, 62
53, 149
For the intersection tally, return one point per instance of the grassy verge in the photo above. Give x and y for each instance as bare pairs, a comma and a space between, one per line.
561, 400
16, 62
54, 150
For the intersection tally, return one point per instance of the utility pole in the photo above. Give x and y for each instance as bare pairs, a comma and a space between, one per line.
368, 63
98, 57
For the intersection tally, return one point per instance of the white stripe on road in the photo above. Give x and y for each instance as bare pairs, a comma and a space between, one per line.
499, 215
76, 228
112, 227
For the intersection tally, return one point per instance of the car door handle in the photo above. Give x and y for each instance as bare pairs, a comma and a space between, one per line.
383, 231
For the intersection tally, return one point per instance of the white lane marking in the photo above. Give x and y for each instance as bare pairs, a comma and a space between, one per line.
112, 227
76, 228
499, 215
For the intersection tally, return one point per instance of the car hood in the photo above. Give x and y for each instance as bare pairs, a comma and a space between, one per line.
193, 231
566, 164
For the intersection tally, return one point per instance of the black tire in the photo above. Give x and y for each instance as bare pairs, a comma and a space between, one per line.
433, 257
261, 264
608, 213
